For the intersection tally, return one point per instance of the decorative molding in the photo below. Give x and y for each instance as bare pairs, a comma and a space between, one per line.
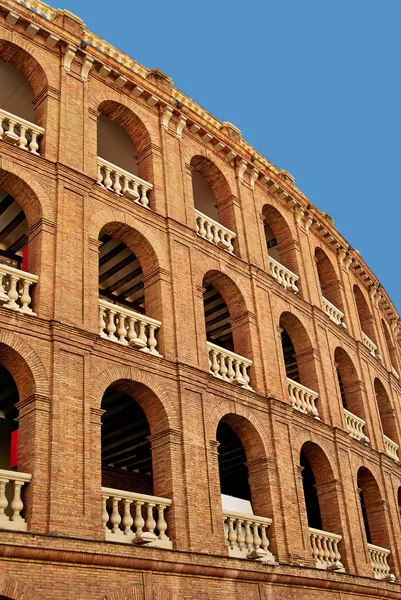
69, 55
86, 67
182, 121
166, 116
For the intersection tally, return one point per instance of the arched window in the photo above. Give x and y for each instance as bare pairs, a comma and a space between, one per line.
131, 473
280, 249
9, 397
375, 525
299, 365
124, 314
21, 80
124, 153
322, 508
388, 420
351, 395
227, 347
214, 215
391, 350
330, 288
366, 322
243, 491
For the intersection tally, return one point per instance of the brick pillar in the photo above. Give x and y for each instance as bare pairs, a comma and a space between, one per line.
246, 343
33, 458
216, 541
41, 244
159, 305
47, 111
301, 552
230, 215
95, 480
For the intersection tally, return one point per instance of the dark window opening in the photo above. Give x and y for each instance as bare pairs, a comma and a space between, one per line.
234, 477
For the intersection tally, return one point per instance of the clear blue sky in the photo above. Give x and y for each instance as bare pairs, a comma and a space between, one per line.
314, 85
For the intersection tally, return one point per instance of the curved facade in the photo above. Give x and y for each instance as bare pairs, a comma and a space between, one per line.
199, 377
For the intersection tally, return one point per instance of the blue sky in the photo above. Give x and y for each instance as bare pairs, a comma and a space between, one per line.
314, 85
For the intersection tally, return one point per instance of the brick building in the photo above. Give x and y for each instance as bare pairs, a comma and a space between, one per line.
199, 377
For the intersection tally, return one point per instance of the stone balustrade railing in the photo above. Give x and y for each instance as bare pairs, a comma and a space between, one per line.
19, 132
371, 346
229, 366
355, 426
303, 398
122, 182
15, 287
11, 504
283, 276
395, 372
325, 551
391, 448
128, 327
333, 313
380, 566
246, 536
212, 231
135, 518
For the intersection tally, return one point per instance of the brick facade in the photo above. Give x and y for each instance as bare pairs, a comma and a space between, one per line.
62, 367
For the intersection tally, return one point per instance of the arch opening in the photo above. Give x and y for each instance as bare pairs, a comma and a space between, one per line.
328, 280
351, 395
366, 322
298, 353
391, 349
9, 397
386, 411
13, 233
372, 509
233, 471
280, 248
217, 319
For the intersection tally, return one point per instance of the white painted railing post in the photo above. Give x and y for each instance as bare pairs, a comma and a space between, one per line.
333, 313
10, 512
324, 546
371, 346
391, 448
14, 289
380, 566
128, 517
215, 233
127, 327
122, 182
283, 276
246, 536
303, 398
355, 426
228, 366
19, 132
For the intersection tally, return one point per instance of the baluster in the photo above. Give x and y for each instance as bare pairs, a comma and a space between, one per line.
209, 234
34, 146
126, 189
16, 504
99, 174
131, 334
230, 370
202, 230
256, 537
102, 321
214, 363
265, 540
111, 327
122, 330
139, 521
127, 520
216, 236
240, 533
152, 342
238, 377
115, 517
248, 536
223, 369
25, 297
232, 536
142, 335
315, 552
337, 555
150, 522
13, 293
107, 181
117, 185
10, 134
1, 126
197, 224
105, 514
22, 137
3, 500
328, 554
230, 241
144, 199
135, 190
245, 375
320, 550
161, 522
3, 295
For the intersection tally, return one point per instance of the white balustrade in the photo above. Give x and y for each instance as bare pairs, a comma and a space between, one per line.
355, 426
127, 327
371, 346
283, 276
378, 559
19, 132
212, 231
11, 504
128, 517
395, 372
122, 182
303, 398
246, 536
325, 549
229, 366
15, 289
391, 448
333, 313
